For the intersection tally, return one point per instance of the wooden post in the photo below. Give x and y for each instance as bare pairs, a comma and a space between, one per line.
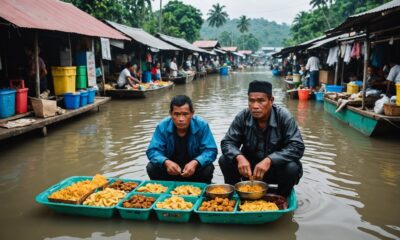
366, 57
36, 57
103, 78
342, 72
337, 70
140, 63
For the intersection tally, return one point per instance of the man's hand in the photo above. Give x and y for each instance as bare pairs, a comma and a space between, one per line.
190, 169
172, 167
261, 168
243, 166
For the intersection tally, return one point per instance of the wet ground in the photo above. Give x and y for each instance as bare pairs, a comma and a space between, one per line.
350, 188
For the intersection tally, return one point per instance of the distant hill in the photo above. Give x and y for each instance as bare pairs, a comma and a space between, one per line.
269, 33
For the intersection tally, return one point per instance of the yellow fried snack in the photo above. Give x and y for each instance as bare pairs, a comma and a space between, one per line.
77, 190
250, 188
257, 206
153, 188
176, 203
218, 205
107, 198
188, 190
218, 190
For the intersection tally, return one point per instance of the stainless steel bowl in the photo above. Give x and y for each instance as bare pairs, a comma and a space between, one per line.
251, 195
229, 189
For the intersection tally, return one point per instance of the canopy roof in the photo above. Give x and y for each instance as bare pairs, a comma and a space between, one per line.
54, 15
230, 49
206, 43
142, 37
181, 43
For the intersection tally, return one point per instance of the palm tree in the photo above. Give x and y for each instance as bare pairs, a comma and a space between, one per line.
217, 16
323, 6
243, 26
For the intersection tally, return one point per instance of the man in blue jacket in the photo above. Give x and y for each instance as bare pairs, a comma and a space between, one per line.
183, 147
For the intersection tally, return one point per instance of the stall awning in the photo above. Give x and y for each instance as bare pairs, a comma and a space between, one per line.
238, 54
55, 15
219, 51
327, 41
206, 44
229, 49
181, 43
142, 37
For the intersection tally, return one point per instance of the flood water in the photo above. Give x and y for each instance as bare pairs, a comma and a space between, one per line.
350, 188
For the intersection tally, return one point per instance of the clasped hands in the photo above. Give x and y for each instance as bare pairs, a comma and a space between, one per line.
259, 170
174, 169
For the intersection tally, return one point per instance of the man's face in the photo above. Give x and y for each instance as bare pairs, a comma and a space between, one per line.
260, 105
181, 116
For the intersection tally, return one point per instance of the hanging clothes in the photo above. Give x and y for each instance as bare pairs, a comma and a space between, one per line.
342, 50
347, 54
377, 56
356, 51
333, 56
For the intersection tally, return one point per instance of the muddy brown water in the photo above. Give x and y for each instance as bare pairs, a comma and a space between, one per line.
350, 188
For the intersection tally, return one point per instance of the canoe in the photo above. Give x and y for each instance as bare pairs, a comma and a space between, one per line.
176, 80
136, 93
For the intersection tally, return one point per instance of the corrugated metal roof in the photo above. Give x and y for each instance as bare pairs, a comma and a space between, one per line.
238, 54
381, 8
142, 37
230, 49
219, 51
326, 41
205, 43
248, 52
181, 43
55, 15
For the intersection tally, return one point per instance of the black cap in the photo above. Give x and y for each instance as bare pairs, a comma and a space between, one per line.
260, 86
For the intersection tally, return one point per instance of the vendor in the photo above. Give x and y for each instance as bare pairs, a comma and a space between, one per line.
126, 78
31, 72
173, 68
156, 72
374, 80
394, 75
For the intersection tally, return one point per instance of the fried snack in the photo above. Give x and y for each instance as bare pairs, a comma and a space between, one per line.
176, 203
218, 205
257, 206
106, 198
77, 190
218, 190
188, 190
139, 201
153, 188
123, 186
250, 188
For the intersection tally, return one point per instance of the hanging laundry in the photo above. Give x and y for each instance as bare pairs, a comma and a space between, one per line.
356, 51
347, 54
342, 50
333, 56
377, 55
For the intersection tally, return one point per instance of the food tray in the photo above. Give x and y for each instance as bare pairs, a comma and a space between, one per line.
168, 184
216, 217
112, 180
136, 213
170, 215
202, 186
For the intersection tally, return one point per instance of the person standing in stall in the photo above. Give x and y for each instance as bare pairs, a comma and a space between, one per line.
31, 72
173, 68
313, 66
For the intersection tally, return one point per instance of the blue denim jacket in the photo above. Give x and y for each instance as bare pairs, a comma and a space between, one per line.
202, 146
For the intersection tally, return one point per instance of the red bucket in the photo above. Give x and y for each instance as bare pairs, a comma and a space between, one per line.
21, 100
303, 94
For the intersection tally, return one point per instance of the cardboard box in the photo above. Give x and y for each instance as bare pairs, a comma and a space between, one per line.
44, 108
326, 77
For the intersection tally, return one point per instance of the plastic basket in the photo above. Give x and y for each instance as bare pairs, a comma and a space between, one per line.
92, 95
168, 184
7, 103
334, 88
63, 71
170, 215
223, 71
216, 217
136, 213
72, 100
84, 98
303, 94
202, 186
352, 88
64, 84
319, 96
73, 209
112, 180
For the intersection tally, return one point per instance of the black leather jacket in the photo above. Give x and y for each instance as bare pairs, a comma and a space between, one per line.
281, 140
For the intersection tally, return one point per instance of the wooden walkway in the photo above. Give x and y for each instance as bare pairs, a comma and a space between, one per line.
41, 123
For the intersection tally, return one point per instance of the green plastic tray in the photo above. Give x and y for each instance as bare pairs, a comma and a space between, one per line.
216, 217
170, 215
136, 213
168, 184
111, 180
202, 186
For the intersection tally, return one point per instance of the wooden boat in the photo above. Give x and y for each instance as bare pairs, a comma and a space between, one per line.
136, 93
176, 80
367, 122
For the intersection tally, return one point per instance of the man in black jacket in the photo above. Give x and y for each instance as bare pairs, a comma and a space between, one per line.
263, 143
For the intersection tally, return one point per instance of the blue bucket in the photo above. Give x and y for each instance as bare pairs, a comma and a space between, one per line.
91, 96
334, 88
319, 96
223, 71
84, 98
72, 100
7, 103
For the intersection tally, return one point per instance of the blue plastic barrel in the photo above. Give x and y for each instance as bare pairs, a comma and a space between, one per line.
84, 98
91, 96
7, 103
72, 100
319, 96
223, 71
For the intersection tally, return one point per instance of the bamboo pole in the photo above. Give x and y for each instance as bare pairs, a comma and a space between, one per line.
36, 57
366, 57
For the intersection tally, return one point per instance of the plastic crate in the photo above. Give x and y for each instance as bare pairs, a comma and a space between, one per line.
63, 71
202, 186
84, 98
7, 103
334, 88
73, 209
171, 215
72, 100
112, 180
136, 213
64, 84
92, 95
216, 217
168, 184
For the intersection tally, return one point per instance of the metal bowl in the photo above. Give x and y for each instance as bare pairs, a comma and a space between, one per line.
229, 189
251, 195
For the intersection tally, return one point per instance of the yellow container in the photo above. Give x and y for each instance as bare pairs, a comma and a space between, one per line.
398, 94
63, 71
352, 88
64, 84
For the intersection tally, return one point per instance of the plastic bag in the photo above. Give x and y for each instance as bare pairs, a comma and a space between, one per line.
378, 108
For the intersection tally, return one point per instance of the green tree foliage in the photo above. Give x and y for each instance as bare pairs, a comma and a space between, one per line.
243, 24
217, 16
312, 24
248, 42
225, 38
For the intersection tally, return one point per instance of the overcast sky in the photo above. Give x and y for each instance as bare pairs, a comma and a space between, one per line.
273, 10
